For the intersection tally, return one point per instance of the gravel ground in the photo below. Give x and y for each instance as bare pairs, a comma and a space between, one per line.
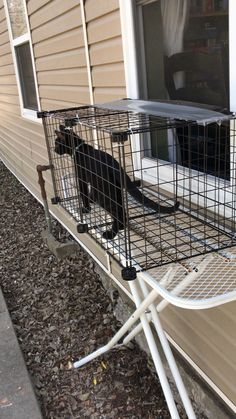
60, 312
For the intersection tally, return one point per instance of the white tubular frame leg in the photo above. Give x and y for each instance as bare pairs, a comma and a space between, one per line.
125, 328
144, 299
155, 354
168, 353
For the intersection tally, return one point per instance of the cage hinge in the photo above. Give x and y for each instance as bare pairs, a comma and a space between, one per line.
55, 200
42, 114
118, 136
82, 228
129, 274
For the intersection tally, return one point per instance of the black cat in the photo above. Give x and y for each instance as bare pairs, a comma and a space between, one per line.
105, 176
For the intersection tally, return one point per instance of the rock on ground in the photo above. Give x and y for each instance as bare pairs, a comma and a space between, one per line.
61, 312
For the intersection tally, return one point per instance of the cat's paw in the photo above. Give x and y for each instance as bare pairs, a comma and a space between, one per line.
109, 235
86, 210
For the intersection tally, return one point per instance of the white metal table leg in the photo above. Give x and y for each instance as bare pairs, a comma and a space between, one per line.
143, 300
125, 328
169, 356
155, 354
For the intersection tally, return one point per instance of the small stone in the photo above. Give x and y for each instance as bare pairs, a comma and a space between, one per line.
83, 397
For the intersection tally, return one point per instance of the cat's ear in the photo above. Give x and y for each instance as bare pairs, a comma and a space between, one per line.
59, 134
62, 128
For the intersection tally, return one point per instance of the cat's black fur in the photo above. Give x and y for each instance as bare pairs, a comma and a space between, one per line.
103, 173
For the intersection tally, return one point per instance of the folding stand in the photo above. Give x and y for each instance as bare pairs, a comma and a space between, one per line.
199, 292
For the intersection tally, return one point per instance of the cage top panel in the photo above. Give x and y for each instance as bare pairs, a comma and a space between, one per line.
167, 109
133, 116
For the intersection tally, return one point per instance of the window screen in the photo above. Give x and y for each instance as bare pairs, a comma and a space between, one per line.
26, 75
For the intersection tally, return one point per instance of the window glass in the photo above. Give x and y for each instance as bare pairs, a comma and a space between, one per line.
17, 17
187, 50
26, 75
185, 47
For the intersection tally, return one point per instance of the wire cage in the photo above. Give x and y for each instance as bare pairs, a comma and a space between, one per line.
150, 182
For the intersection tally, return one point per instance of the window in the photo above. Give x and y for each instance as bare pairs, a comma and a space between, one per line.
155, 34
22, 55
184, 47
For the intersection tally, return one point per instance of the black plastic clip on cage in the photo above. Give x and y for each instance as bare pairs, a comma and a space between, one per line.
151, 183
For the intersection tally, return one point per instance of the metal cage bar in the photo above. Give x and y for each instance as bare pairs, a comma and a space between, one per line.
150, 189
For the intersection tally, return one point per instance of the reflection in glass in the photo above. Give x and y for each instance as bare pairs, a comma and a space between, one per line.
186, 50
17, 16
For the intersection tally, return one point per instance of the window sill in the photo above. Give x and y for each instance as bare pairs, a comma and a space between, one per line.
30, 115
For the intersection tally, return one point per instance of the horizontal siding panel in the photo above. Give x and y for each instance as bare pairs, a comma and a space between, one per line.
59, 25
13, 145
102, 7
61, 43
50, 105
2, 12
6, 59
6, 69
106, 95
109, 75
10, 99
26, 164
212, 353
70, 59
4, 38
33, 155
9, 79
3, 26
13, 156
10, 89
5, 49
32, 129
105, 27
106, 52
16, 144
77, 77
229, 310
10, 108
51, 10
68, 93
33, 5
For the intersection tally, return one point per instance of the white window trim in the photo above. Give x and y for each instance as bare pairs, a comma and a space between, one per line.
25, 113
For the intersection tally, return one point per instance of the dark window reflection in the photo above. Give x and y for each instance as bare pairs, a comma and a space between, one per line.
187, 59
25, 68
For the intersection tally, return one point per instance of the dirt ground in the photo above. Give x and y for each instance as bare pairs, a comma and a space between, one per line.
61, 312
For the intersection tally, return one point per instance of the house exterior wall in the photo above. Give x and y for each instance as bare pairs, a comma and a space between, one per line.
63, 70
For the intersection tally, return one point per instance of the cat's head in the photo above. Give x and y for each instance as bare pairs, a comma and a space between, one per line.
66, 141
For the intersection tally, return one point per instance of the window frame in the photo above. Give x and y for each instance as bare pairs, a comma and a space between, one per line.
130, 13
20, 40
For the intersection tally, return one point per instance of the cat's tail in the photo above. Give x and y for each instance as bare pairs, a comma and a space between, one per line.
149, 203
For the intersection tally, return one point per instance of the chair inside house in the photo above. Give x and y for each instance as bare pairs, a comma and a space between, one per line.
202, 80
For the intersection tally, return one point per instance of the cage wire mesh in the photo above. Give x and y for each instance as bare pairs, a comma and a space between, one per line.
150, 189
